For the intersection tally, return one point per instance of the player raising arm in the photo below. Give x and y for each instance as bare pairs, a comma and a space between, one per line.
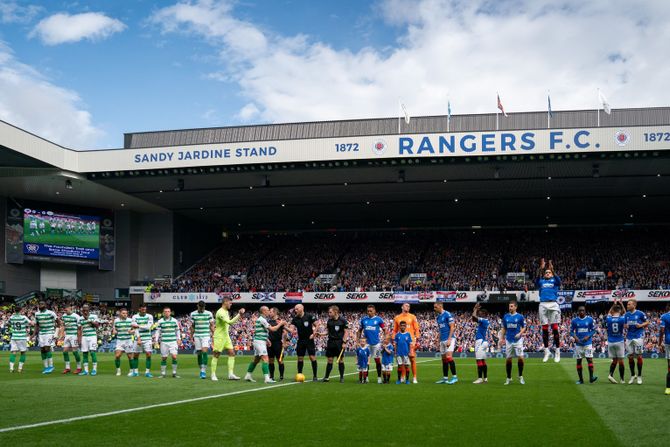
582, 329
615, 323
548, 284
513, 329
664, 339
222, 339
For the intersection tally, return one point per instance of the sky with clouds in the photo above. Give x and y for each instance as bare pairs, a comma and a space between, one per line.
82, 73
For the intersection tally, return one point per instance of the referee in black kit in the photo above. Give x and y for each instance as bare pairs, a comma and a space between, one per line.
337, 332
305, 324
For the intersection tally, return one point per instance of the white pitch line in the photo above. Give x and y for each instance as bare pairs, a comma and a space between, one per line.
149, 407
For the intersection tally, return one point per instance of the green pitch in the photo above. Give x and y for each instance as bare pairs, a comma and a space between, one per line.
68, 240
549, 410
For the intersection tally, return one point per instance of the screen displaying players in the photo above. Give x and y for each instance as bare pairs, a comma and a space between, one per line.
52, 233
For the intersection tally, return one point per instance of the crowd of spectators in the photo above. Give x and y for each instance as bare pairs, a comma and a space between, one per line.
454, 260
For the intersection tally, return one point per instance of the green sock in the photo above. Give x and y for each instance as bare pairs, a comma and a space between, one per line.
66, 356
94, 357
251, 367
204, 359
12, 358
148, 363
266, 368
76, 356
130, 362
174, 361
44, 355
231, 365
215, 363
199, 358
163, 362
22, 358
85, 357
117, 363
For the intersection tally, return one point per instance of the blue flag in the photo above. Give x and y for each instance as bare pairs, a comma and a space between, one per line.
551, 114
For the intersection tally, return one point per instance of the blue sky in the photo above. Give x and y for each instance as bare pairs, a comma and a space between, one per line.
82, 73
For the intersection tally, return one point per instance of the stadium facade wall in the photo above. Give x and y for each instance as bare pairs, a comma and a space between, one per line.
19, 279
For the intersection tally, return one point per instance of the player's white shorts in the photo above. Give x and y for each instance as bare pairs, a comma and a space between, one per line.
127, 346
550, 312
361, 368
375, 351
388, 367
145, 346
514, 349
667, 351
481, 346
260, 348
584, 351
402, 360
45, 341
168, 348
70, 341
615, 350
18, 345
447, 345
89, 343
634, 346
202, 343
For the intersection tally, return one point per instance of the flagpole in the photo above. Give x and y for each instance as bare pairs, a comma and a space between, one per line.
399, 114
548, 110
598, 107
448, 114
497, 102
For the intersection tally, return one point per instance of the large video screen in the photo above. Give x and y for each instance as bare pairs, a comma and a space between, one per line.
59, 234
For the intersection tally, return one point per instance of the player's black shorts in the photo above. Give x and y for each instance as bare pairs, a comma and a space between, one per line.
333, 349
305, 346
274, 350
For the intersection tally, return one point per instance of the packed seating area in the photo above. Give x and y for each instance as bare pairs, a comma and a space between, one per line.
635, 258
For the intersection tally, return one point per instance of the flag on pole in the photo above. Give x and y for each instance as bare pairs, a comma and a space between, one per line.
404, 110
551, 114
500, 106
604, 103
449, 110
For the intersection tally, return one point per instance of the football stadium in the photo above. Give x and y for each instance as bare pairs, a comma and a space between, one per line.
439, 279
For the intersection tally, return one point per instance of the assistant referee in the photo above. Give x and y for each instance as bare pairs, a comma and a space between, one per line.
337, 332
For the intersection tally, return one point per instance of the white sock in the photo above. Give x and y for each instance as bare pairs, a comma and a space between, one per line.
118, 370
267, 376
45, 362
95, 367
163, 368
174, 369
67, 365
11, 366
147, 371
78, 365
20, 366
86, 367
51, 362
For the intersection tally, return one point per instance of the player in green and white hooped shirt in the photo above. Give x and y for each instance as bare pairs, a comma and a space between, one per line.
88, 339
201, 335
261, 328
68, 333
168, 333
142, 323
45, 330
19, 326
124, 341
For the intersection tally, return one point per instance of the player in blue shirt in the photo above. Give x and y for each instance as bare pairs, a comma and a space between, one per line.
615, 323
403, 345
664, 339
636, 321
582, 329
372, 327
387, 359
481, 343
446, 340
513, 329
548, 284
363, 360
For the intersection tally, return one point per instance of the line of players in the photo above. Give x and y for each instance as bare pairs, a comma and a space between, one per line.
625, 331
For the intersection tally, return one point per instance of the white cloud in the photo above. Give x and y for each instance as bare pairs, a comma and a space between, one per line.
248, 112
65, 28
12, 12
468, 50
28, 100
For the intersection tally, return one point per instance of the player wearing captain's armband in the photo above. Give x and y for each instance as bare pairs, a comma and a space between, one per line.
387, 359
664, 344
582, 329
168, 332
142, 322
513, 329
636, 321
481, 343
372, 328
88, 339
45, 329
615, 323
19, 325
201, 335
363, 360
403, 346
68, 333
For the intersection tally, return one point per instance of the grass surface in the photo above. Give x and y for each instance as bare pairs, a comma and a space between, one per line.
549, 410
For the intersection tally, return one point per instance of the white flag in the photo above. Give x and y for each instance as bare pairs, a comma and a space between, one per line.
404, 110
604, 103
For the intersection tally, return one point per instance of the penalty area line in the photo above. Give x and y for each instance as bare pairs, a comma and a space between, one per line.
152, 406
